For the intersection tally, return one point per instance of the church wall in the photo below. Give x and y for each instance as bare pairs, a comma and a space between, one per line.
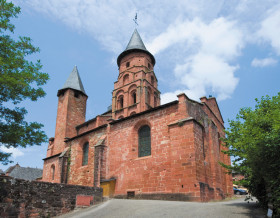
78, 174
185, 154
94, 123
217, 132
169, 169
47, 175
212, 104
182, 150
87, 126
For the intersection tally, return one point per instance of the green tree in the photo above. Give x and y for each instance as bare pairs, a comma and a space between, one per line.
254, 142
20, 79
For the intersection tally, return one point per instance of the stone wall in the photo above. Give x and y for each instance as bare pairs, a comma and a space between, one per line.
20, 198
79, 174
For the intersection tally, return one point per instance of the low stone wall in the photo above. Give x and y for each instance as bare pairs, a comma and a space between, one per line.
20, 198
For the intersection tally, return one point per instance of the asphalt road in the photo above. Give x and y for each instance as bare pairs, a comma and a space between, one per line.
152, 208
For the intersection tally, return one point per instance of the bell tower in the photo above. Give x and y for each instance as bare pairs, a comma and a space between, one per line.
136, 88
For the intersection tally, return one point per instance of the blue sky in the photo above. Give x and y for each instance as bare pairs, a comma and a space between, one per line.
227, 49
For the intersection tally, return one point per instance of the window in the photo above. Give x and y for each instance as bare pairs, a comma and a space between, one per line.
152, 80
148, 97
155, 99
120, 102
144, 141
149, 66
52, 171
85, 154
131, 194
127, 64
76, 94
126, 79
133, 97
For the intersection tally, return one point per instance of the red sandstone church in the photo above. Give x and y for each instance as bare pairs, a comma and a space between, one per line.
139, 148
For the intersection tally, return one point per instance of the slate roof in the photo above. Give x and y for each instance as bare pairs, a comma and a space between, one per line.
135, 44
26, 173
11, 168
74, 82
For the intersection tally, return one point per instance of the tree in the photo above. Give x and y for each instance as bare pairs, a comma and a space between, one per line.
20, 79
254, 142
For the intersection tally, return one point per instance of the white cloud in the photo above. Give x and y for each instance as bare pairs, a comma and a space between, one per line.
263, 62
201, 39
110, 22
15, 151
270, 28
207, 67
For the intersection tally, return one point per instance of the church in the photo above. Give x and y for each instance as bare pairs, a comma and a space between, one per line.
139, 148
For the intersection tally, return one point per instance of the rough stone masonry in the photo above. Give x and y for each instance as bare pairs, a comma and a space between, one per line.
21, 198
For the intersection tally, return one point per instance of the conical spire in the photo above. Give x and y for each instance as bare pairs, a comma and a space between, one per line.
135, 44
74, 82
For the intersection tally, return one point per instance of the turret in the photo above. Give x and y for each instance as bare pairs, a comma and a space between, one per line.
71, 110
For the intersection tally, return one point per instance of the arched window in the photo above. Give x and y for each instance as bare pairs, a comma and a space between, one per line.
155, 99
148, 98
144, 141
85, 154
152, 80
133, 97
52, 171
120, 102
126, 79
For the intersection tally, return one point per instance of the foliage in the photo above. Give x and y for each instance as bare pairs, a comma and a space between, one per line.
254, 142
20, 80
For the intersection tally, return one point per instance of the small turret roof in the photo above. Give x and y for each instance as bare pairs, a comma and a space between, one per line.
135, 44
74, 82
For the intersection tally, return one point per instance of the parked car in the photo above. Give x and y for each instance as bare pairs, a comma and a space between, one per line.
238, 191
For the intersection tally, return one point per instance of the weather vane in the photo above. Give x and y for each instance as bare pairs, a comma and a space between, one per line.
135, 19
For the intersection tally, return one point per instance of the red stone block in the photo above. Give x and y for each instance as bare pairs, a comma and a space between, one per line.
83, 200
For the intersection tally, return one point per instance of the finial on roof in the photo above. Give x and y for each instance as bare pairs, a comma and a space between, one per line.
135, 20
74, 82
135, 44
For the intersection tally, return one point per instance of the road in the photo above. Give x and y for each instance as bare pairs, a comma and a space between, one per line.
159, 209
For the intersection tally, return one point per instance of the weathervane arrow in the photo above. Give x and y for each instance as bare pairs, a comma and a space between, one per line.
135, 19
